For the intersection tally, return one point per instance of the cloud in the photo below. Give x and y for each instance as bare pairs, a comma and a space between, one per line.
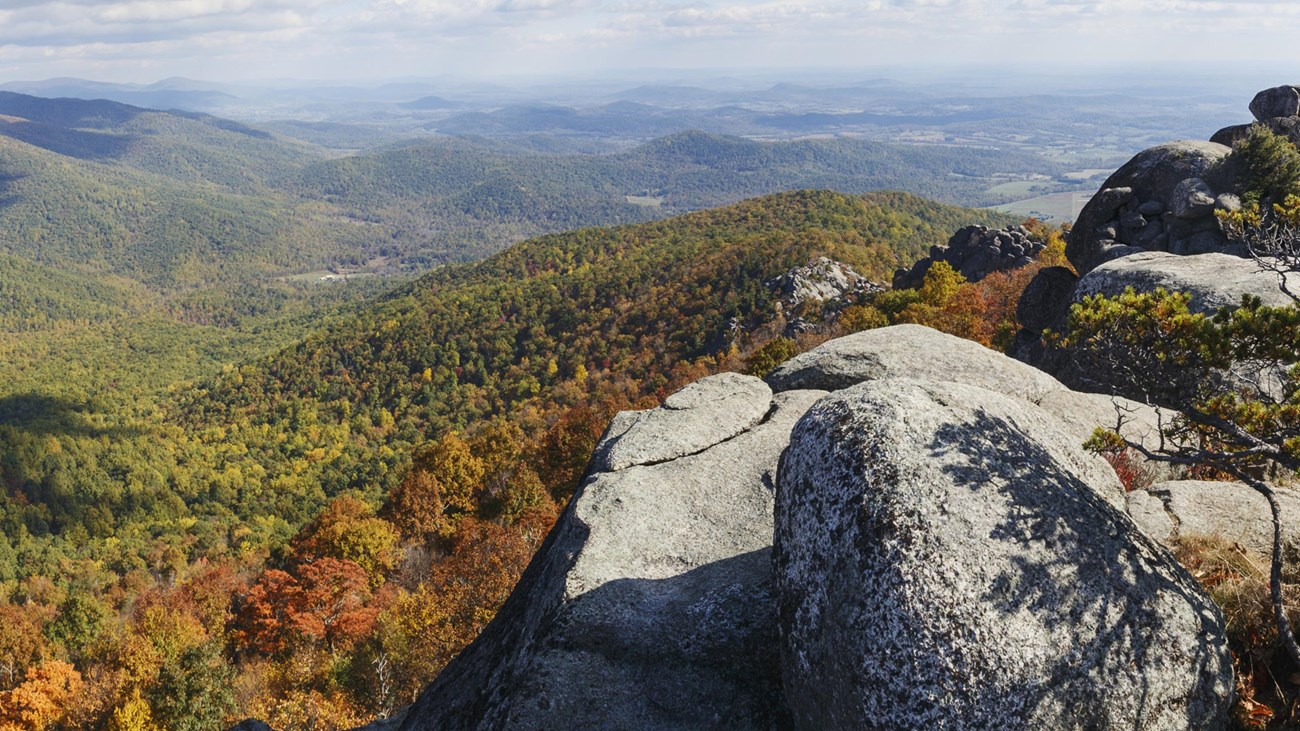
396, 37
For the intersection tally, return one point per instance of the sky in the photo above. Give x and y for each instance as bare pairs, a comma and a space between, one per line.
249, 40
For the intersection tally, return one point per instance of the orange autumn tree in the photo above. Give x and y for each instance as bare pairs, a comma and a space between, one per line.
43, 700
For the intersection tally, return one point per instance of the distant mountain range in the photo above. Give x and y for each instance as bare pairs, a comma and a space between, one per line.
183, 200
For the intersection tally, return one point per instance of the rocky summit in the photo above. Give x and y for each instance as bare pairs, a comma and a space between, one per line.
931, 549
1155, 223
975, 252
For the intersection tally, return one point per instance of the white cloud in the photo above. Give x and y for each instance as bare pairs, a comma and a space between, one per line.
396, 37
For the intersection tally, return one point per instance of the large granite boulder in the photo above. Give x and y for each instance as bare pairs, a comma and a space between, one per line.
944, 560
908, 350
1228, 510
1288, 127
1280, 101
1162, 200
1212, 280
649, 606
914, 351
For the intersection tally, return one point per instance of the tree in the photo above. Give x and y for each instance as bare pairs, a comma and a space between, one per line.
262, 621
332, 604
133, 715
43, 699
21, 641
1232, 379
442, 486
348, 530
194, 693
1151, 347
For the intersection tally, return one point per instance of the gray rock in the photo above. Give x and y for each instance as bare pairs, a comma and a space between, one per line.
1228, 510
1227, 202
912, 351
1280, 101
704, 413
251, 724
823, 280
1202, 242
937, 567
1152, 175
1213, 280
1231, 135
1045, 300
1081, 414
975, 252
649, 606
1152, 208
1285, 126
1152, 232
1192, 198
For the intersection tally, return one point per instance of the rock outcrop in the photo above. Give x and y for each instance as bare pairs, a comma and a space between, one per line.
823, 280
975, 252
1228, 510
1162, 200
943, 561
707, 412
908, 350
1277, 108
652, 605
1212, 280
913, 351
649, 606
1166, 199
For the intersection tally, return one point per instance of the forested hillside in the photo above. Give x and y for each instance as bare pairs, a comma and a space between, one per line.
295, 537
479, 193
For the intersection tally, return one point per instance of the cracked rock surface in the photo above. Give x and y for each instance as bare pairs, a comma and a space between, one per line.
709, 411
944, 560
649, 606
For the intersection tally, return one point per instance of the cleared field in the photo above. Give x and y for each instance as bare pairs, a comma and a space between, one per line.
1056, 207
1016, 187
649, 201
1089, 173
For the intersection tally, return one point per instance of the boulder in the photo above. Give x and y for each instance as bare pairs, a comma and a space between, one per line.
1081, 414
913, 351
700, 415
1153, 175
1046, 299
1288, 127
1213, 280
1192, 198
1280, 101
1228, 510
944, 559
649, 606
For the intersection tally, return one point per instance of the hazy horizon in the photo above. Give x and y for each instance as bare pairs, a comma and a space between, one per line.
257, 41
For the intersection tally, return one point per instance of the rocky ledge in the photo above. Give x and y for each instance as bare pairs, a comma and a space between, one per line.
946, 556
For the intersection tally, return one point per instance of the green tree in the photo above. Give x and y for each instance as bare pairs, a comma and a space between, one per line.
194, 694
78, 625
1152, 347
1270, 167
